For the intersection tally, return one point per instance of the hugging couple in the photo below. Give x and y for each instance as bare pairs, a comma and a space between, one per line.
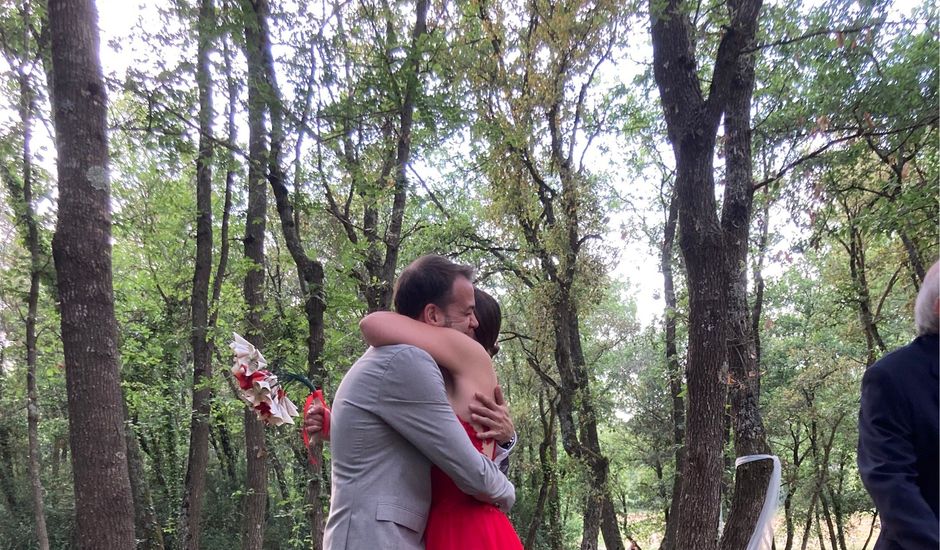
418, 427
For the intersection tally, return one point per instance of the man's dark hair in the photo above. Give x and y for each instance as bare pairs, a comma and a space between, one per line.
427, 280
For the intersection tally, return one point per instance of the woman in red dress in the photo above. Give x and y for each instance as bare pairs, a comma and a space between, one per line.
456, 521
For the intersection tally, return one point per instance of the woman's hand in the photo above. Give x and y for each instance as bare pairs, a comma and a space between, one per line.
493, 414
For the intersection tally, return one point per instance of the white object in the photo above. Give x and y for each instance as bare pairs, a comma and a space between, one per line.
259, 387
763, 536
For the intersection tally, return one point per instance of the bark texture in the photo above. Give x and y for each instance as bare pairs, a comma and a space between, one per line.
674, 369
692, 123
82, 252
309, 271
254, 504
21, 194
750, 482
195, 482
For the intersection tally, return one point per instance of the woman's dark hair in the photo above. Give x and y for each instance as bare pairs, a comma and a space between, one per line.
490, 319
427, 280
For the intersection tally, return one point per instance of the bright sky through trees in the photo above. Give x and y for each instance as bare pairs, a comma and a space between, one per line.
637, 265
538, 151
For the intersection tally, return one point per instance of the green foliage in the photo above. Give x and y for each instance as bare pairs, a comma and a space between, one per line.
509, 158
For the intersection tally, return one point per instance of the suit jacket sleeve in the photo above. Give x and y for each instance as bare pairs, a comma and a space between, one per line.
887, 461
414, 403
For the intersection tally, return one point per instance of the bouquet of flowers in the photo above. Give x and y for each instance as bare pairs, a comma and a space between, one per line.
262, 391
259, 387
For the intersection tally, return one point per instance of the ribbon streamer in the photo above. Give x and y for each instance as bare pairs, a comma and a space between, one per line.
316, 396
763, 536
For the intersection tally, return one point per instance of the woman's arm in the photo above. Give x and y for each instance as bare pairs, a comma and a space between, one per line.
451, 349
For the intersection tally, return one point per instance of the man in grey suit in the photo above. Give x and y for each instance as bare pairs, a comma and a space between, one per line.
391, 421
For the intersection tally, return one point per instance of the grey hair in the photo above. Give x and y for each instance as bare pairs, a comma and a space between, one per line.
926, 316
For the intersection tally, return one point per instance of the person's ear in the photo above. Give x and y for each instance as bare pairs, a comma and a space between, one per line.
433, 315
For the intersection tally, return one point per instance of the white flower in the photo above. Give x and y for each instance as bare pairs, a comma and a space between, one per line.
259, 387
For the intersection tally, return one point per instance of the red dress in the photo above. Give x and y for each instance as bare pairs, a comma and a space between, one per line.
458, 521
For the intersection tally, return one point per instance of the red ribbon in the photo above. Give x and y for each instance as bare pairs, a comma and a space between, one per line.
324, 432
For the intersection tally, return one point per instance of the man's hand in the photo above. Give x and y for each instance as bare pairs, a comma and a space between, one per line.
493, 415
317, 415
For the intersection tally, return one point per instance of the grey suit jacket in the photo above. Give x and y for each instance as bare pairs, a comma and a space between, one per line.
391, 420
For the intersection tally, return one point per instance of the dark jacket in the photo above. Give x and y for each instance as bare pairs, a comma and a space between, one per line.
898, 441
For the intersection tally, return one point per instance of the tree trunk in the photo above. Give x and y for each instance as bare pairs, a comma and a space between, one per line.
897, 157
549, 481
819, 533
375, 279
580, 438
750, 438
675, 371
22, 197
82, 251
838, 511
32, 393
796, 461
549, 221
788, 518
759, 284
871, 529
190, 528
555, 523
147, 527
855, 247
706, 368
598, 511
913, 256
810, 513
221, 444
227, 456
827, 516
309, 271
7, 481
403, 155
255, 500
821, 462
278, 469
158, 461
692, 124
823, 467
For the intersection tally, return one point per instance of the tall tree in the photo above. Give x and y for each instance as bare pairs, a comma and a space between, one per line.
195, 483
692, 122
82, 251
38, 260
750, 438
309, 270
254, 502
227, 453
373, 119
22, 59
673, 367
148, 531
536, 101
547, 503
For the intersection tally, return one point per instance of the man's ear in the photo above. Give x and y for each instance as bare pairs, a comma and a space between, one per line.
433, 315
